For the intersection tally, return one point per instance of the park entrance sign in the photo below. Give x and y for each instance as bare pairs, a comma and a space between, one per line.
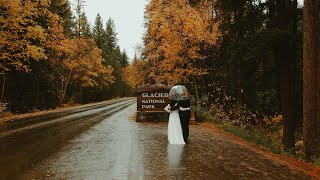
151, 102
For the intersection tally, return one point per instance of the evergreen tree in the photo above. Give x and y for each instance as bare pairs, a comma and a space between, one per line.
116, 59
124, 59
85, 26
286, 57
98, 32
82, 24
110, 42
234, 57
135, 59
63, 9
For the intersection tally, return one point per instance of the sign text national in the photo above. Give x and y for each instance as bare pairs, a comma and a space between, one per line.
152, 98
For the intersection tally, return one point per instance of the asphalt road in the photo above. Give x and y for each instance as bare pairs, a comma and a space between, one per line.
103, 145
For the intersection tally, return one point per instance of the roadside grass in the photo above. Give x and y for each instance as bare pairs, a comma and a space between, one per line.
316, 161
254, 136
268, 140
265, 134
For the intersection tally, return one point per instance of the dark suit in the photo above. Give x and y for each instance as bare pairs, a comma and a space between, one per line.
184, 117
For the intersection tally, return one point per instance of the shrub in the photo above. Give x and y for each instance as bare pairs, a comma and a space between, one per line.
3, 107
268, 102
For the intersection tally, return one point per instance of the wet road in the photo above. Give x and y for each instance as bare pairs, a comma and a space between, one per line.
117, 147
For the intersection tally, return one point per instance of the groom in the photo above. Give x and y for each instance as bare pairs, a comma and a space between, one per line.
185, 115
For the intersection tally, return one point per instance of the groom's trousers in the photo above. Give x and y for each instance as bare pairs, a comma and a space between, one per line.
184, 119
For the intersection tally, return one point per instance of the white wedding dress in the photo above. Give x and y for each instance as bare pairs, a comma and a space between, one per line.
174, 127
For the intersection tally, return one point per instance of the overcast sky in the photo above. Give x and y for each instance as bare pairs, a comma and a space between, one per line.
127, 16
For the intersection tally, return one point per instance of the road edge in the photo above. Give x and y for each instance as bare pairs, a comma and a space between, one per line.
309, 169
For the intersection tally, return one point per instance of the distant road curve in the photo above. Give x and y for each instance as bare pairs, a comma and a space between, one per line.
23, 124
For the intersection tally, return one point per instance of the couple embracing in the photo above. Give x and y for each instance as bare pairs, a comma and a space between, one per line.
180, 114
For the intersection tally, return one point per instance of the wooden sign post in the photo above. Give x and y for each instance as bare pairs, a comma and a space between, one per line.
151, 102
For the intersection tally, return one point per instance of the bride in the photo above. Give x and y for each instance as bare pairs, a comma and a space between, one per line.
174, 126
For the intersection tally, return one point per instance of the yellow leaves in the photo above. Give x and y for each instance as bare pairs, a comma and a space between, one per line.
35, 52
106, 74
35, 33
21, 37
17, 64
135, 73
270, 121
55, 33
45, 3
84, 60
277, 119
176, 32
266, 119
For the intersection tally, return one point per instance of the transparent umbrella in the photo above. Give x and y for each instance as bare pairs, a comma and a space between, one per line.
179, 92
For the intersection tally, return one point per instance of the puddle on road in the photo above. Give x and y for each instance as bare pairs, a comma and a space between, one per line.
174, 155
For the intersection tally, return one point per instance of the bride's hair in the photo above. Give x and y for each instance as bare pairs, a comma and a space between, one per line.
172, 103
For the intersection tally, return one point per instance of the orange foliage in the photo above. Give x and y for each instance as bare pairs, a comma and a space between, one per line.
21, 37
135, 73
84, 63
176, 32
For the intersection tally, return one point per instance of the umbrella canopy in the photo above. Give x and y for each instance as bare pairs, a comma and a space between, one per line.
179, 92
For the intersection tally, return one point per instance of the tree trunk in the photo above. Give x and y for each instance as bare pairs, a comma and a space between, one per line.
311, 78
287, 61
35, 91
65, 86
195, 86
2, 90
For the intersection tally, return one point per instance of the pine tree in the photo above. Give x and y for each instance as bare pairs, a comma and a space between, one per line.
63, 9
111, 39
286, 57
124, 59
115, 58
82, 24
85, 26
98, 32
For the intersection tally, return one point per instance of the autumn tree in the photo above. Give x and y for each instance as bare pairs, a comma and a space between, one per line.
136, 73
78, 67
42, 65
21, 36
311, 75
177, 34
83, 66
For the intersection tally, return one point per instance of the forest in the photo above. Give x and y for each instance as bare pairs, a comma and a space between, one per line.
253, 64
50, 55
